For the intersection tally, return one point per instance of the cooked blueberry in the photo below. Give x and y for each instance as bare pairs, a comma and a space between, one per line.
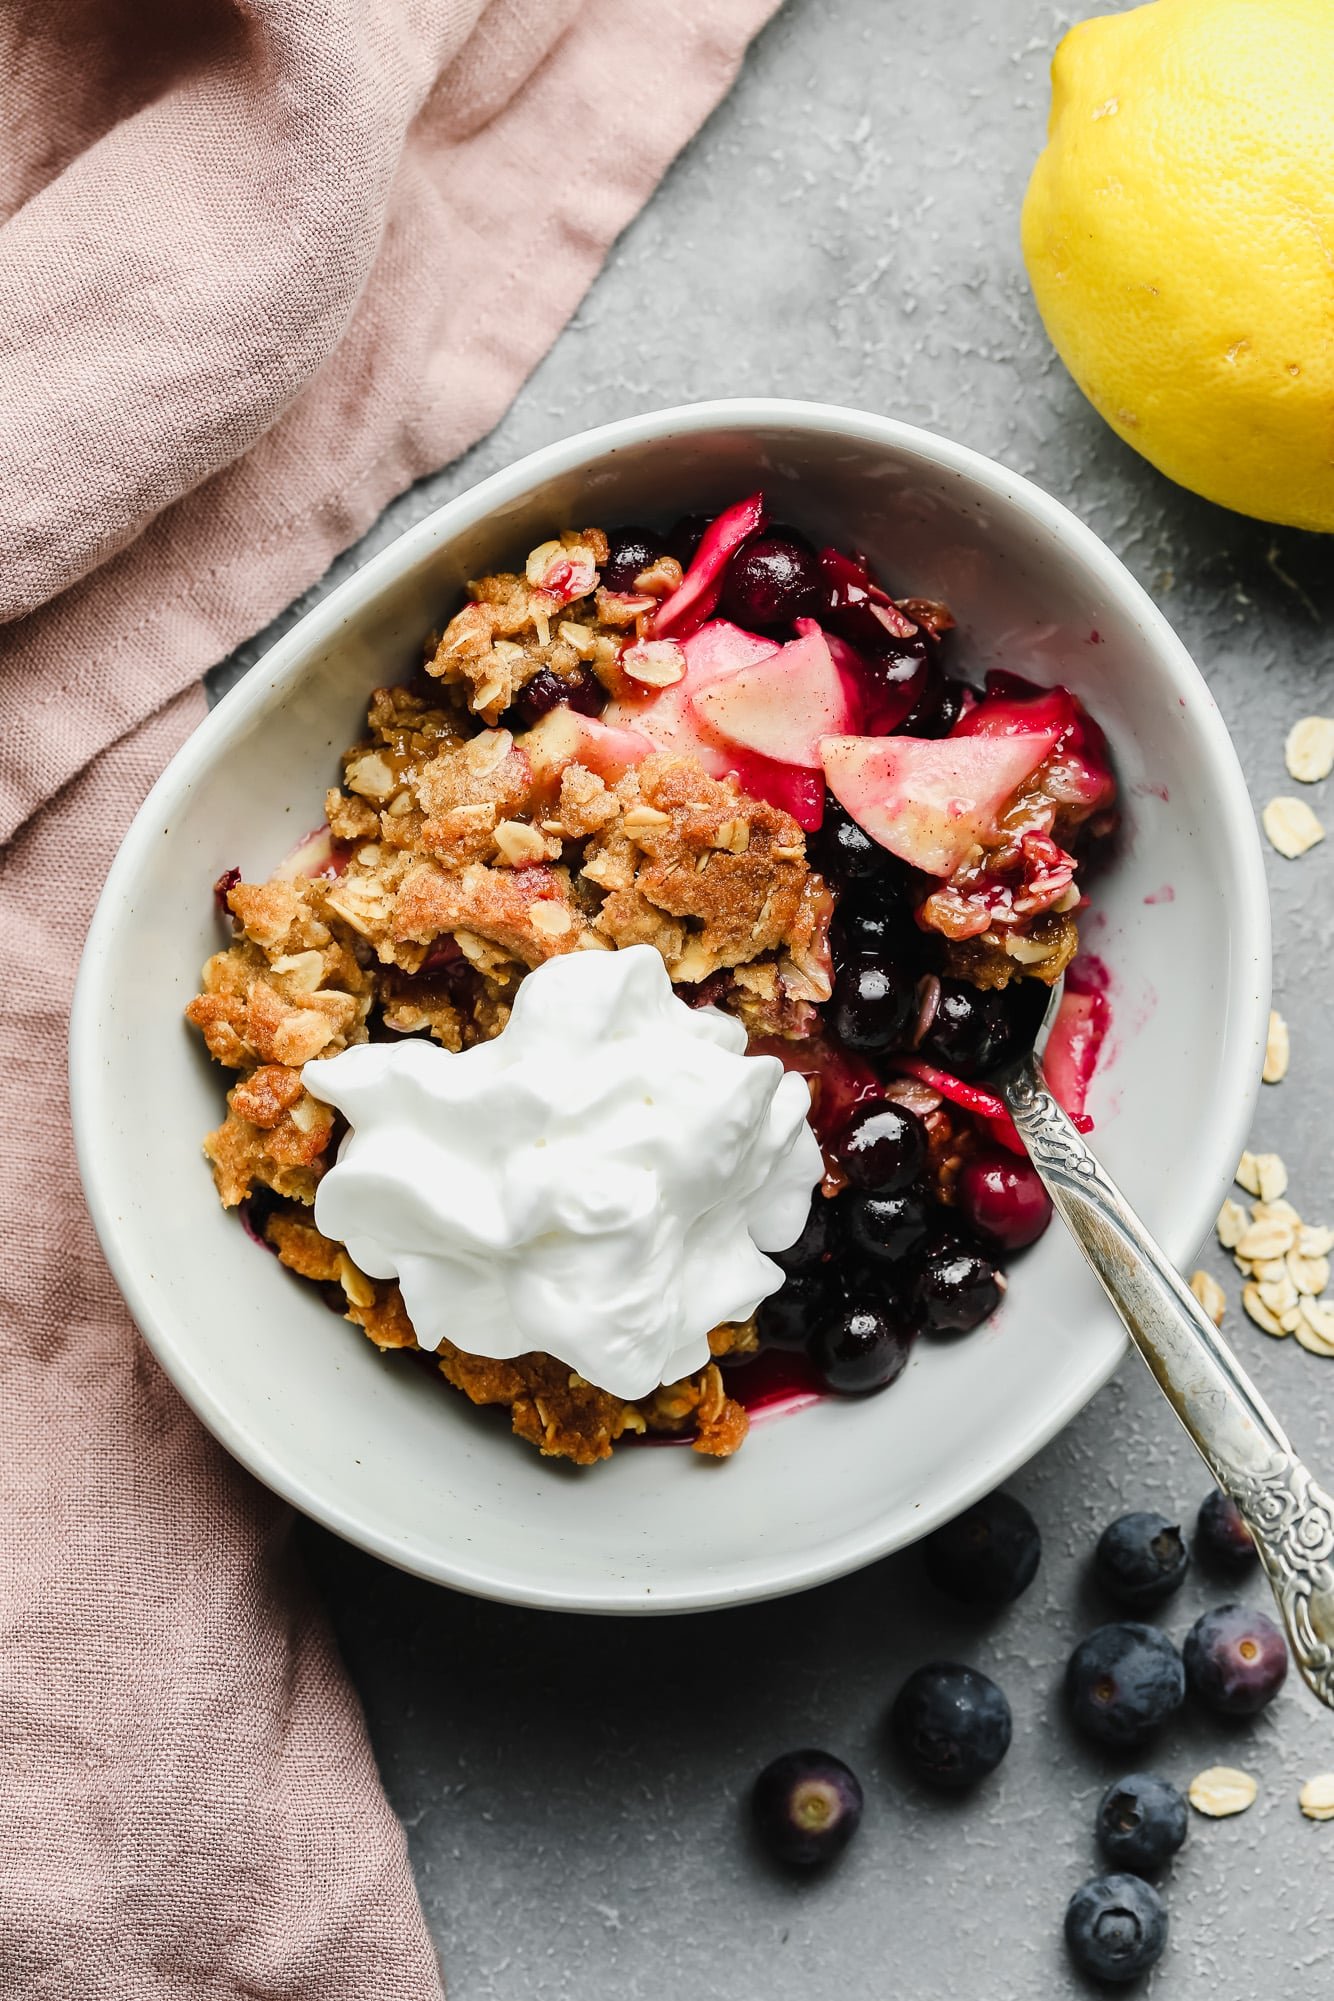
862, 1345
1236, 1660
956, 1286
937, 708
882, 1147
1123, 1681
951, 1723
1116, 1927
872, 1005
1141, 1822
807, 1806
879, 924
631, 550
1140, 1558
772, 580
816, 1241
987, 1555
547, 691
843, 853
1221, 1535
970, 1031
1004, 1199
686, 536
885, 1228
789, 1317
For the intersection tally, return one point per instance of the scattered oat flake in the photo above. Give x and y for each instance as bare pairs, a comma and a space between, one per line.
1276, 1212
1315, 1240
1316, 1798
1309, 1275
1315, 1326
1291, 826
1278, 1049
1278, 1294
1263, 1174
1210, 1295
1309, 750
1232, 1220
1222, 1790
1254, 1307
1270, 1239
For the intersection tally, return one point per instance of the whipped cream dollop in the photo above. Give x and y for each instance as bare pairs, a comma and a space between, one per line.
600, 1181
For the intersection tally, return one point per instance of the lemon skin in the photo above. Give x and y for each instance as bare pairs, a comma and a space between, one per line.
1179, 236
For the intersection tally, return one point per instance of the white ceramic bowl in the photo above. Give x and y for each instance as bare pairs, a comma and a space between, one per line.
396, 1462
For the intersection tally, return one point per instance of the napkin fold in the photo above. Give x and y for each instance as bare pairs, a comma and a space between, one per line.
262, 264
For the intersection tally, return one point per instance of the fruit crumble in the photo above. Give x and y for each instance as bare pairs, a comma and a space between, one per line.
740, 750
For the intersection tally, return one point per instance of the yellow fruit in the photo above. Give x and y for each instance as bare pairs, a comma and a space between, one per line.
1179, 234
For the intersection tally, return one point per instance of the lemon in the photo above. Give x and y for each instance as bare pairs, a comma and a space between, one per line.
1179, 234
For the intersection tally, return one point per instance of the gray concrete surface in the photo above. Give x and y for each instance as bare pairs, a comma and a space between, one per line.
846, 227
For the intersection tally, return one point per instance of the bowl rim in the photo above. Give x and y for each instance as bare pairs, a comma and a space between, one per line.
1247, 1006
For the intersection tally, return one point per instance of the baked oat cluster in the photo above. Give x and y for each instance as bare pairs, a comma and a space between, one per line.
545, 785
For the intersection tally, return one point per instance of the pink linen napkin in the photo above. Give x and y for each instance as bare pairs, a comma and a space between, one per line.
262, 263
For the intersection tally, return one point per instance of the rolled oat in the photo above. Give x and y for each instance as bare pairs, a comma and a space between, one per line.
1309, 750
1222, 1790
1278, 1050
1291, 826
1316, 1798
1210, 1295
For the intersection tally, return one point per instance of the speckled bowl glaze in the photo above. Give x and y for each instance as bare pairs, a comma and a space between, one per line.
393, 1460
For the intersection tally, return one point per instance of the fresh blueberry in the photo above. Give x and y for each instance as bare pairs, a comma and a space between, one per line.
872, 1005
772, 580
816, 1243
1236, 1660
971, 1029
843, 852
956, 1286
1116, 1927
951, 1723
885, 1228
1141, 1822
630, 551
547, 691
789, 1316
1221, 1535
807, 1807
1123, 1681
882, 1147
987, 1555
1140, 1558
1003, 1198
862, 1345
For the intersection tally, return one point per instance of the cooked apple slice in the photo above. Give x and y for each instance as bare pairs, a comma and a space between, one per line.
930, 801
565, 737
697, 594
783, 704
666, 715
670, 721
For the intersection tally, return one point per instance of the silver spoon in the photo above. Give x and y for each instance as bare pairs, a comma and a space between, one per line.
1226, 1418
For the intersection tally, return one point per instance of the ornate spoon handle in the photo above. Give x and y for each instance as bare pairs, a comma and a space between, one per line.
1236, 1434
